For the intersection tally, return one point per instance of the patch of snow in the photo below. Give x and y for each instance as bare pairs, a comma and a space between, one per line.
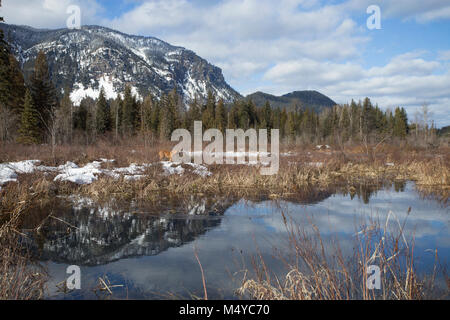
107, 160
9, 171
315, 164
7, 175
287, 154
106, 82
133, 178
200, 170
172, 168
85, 175
91, 171
27, 166
68, 165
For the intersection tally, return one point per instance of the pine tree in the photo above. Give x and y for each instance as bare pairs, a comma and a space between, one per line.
233, 116
146, 113
209, 111
400, 123
194, 113
354, 119
247, 115
367, 117
43, 93
390, 121
116, 115
146, 117
175, 108
80, 117
276, 118
65, 117
167, 120
129, 112
405, 119
29, 130
221, 116
155, 118
290, 126
103, 118
283, 119
5, 79
345, 124
91, 119
266, 117
326, 125
17, 85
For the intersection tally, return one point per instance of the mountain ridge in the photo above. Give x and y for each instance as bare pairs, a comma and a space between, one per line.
94, 56
305, 98
86, 59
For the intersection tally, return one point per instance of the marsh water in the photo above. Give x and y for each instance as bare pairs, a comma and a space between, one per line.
149, 253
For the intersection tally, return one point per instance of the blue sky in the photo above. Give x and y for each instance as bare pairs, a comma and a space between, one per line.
286, 45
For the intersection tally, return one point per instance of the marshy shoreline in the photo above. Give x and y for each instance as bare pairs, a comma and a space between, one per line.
133, 174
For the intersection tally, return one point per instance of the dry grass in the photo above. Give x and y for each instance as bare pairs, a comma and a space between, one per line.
319, 271
20, 277
125, 151
245, 181
348, 166
325, 279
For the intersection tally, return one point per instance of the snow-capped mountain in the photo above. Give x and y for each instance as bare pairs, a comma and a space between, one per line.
86, 59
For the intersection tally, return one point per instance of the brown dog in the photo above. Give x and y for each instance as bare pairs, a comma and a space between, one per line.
164, 154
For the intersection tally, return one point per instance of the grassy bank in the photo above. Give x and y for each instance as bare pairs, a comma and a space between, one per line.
299, 168
21, 278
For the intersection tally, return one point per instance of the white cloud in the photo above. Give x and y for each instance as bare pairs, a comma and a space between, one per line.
419, 10
247, 37
407, 81
409, 64
47, 13
308, 72
444, 55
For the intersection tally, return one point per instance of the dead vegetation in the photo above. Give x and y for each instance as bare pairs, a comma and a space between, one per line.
21, 278
299, 168
317, 269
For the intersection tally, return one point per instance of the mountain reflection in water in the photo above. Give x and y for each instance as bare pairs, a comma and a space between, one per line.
150, 247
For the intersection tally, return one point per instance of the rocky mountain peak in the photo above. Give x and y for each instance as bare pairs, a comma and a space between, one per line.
92, 57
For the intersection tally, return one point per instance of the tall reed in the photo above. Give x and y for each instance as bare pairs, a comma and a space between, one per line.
317, 270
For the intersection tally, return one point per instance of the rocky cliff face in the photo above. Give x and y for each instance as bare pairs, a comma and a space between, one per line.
85, 60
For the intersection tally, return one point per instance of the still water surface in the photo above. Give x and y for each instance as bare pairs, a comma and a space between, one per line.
151, 254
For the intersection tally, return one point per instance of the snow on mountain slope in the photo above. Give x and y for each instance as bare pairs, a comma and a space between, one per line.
87, 59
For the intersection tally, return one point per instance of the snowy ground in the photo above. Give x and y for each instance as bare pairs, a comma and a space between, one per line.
90, 172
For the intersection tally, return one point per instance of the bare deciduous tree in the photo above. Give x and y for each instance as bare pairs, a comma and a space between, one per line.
425, 114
